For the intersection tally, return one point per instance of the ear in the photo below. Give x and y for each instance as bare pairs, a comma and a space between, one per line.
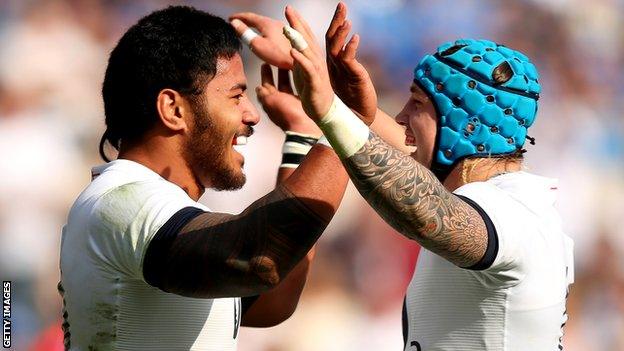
172, 108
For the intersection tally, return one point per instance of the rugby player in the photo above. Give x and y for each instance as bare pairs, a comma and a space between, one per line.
497, 266
144, 266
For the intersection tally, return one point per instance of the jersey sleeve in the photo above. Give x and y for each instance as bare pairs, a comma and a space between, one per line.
127, 218
155, 258
503, 262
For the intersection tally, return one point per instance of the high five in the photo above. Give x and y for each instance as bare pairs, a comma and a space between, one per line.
497, 266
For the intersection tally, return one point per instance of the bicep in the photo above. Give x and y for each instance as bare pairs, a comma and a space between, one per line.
163, 256
490, 238
210, 255
510, 231
458, 231
203, 255
411, 199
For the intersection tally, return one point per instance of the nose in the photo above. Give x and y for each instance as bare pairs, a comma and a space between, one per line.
403, 117
250, 113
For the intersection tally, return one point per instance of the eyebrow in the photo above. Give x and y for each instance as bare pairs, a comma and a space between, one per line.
241, 86
418, 93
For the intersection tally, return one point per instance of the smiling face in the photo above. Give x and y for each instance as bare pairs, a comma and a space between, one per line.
420, 119
222, 117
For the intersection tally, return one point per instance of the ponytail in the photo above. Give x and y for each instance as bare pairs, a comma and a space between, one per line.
112, 140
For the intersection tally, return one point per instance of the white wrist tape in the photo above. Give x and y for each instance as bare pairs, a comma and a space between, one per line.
291, 147
248, 35
344, 130
296, 39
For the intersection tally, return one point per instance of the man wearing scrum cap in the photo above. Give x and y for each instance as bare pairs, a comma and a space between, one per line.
146, 266
497, 268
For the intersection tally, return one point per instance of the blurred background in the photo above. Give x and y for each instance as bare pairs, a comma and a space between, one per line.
52, 60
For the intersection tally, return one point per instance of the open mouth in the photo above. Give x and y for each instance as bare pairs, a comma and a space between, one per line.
239, 140
410, 140
241, 137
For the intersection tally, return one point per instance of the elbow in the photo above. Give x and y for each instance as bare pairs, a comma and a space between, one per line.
277, 318
287, 310
257, 275
269, 314
266, 271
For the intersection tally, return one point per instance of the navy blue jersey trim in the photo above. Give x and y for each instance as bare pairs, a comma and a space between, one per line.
155, 260
404, 322
492, 246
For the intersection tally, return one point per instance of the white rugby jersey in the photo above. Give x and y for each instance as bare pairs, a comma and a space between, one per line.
107, 303
515, 304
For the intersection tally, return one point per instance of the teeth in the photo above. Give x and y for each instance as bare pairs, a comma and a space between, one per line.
409, 141
241, 140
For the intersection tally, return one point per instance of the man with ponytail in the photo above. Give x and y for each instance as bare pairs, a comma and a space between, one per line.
144, 266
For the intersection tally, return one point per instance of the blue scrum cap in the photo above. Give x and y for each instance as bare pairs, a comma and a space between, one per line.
478, 115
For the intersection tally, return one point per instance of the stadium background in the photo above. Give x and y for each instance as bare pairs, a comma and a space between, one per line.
52, 59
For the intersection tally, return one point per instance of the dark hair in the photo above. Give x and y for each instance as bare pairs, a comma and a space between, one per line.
174, 48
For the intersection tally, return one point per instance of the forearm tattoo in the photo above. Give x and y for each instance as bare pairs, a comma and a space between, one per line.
411, 199
218, 255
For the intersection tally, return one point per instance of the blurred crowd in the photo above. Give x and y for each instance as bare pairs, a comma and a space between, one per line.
52, 59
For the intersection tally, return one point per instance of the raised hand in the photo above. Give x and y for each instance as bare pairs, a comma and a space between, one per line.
281, 105
349, 78
270, 46
310, 70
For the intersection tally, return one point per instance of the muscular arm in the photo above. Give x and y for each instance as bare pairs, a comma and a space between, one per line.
403, 192
278, 304
219, 255
411, 199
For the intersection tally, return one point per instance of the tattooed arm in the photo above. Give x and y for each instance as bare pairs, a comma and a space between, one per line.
402, 191
411, 199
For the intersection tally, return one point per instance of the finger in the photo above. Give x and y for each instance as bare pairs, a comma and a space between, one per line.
269, 88
283, 81
246, 34
339, 16
351, 48
299, 42
262, 47
304, 23
261, 94
306, 65
337, 42
299, 24
268, 51
252, 19
266, 74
